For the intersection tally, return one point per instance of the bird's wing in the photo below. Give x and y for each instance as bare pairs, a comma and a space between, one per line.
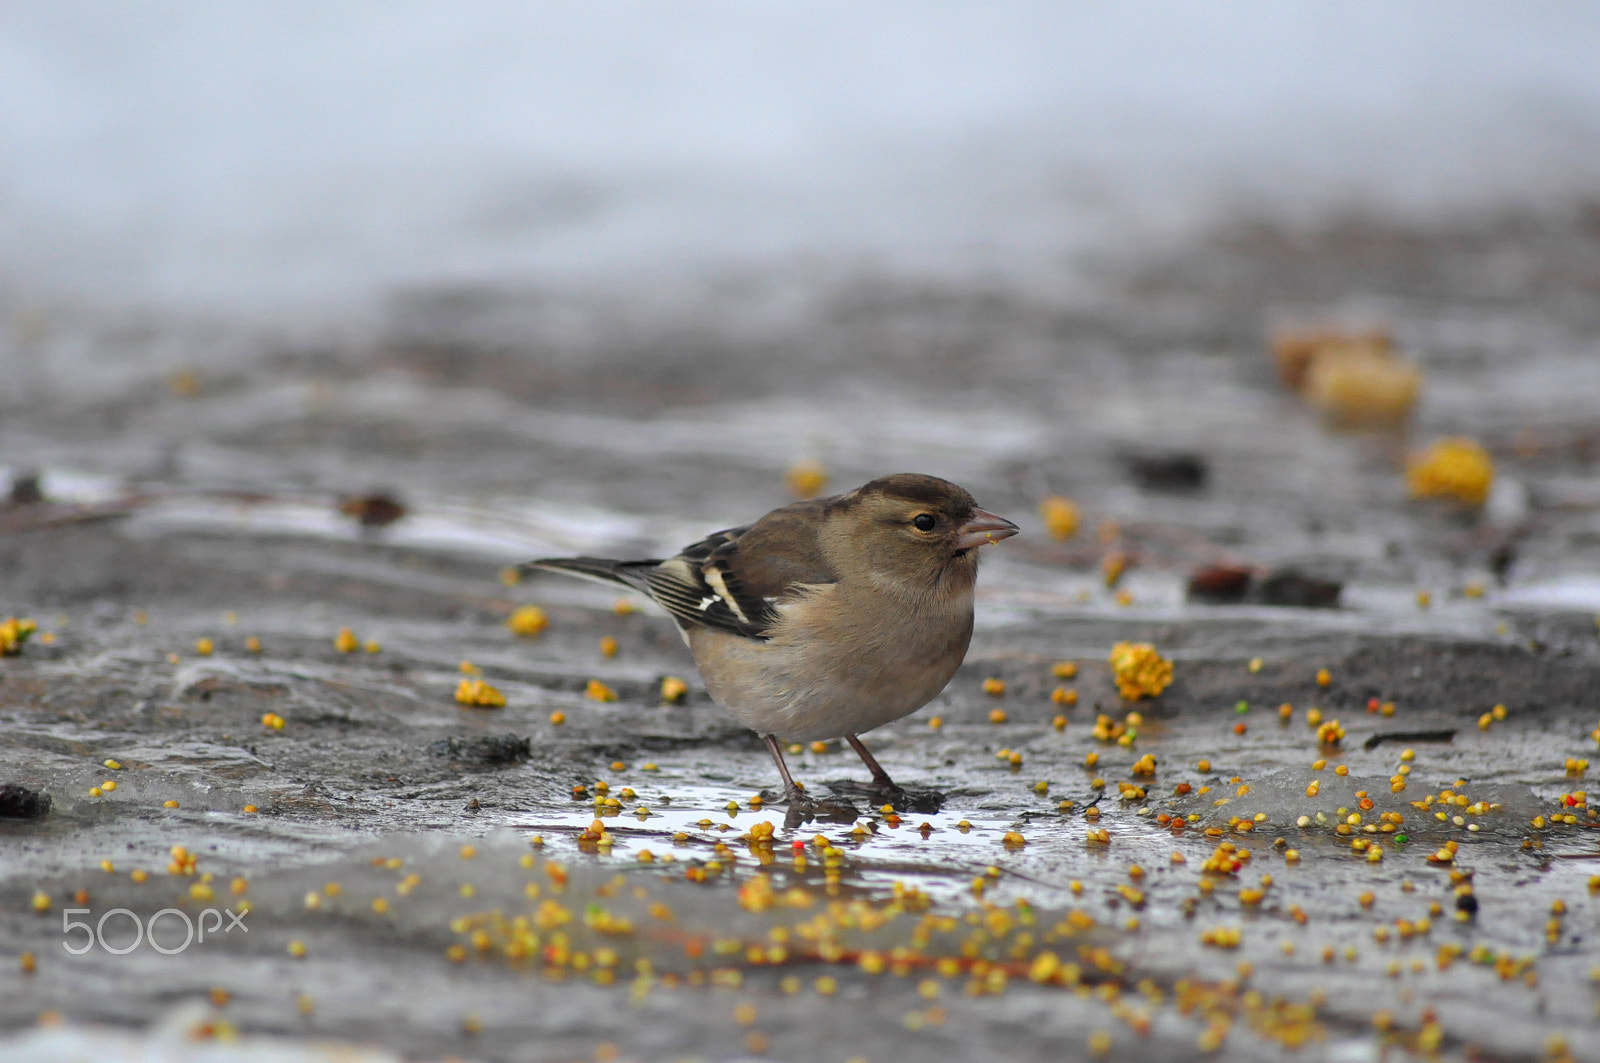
734, 580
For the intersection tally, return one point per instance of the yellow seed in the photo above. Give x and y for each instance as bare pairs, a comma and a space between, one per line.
1140, 672
674, 690
371, 646
1456, 468
253, 644
345, 641
41, 901
1324, 678
806, 479
113, 765
1060, 517
1255, 665
204, 647
1203, 765
608, 646
936, 722
997, 716
528, 621
297, 949
558, 718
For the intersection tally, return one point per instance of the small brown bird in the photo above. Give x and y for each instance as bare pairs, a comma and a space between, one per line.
828, 617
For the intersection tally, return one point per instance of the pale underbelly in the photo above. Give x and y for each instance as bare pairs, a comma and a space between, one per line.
809, 701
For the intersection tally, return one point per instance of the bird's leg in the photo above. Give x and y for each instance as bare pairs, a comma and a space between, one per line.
801, 807
879, 776
792, 791
902, 799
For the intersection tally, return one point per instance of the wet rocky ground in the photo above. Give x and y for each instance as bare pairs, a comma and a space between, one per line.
421, 879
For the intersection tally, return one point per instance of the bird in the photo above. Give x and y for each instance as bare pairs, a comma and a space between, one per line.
825, 618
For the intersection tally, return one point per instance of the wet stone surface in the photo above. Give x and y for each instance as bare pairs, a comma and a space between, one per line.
425, 878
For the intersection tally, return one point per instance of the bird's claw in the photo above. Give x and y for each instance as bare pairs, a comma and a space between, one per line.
803, 809
893, 795
903, 800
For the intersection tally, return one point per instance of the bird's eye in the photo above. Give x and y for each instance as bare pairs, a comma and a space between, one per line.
923, 522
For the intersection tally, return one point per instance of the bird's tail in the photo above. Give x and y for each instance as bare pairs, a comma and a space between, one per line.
630, 574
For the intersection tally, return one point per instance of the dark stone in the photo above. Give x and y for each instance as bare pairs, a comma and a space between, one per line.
1220, 584
19, 802
1501, 558
1296, 589
375, 510
25, 489
1233, 584
1175, 471
484, 749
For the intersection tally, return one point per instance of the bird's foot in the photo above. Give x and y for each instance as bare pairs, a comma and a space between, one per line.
803, 809
892, 794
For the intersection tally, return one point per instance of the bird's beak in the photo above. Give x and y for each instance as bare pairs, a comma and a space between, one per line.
983, 527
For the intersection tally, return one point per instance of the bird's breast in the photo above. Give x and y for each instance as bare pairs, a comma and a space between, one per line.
835, 664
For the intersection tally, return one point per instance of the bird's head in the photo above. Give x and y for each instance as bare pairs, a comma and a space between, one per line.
915, 531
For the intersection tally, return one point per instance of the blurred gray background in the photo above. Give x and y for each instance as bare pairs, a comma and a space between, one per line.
230, 159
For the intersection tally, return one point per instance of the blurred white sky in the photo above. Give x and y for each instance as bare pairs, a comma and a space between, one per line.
263, 156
